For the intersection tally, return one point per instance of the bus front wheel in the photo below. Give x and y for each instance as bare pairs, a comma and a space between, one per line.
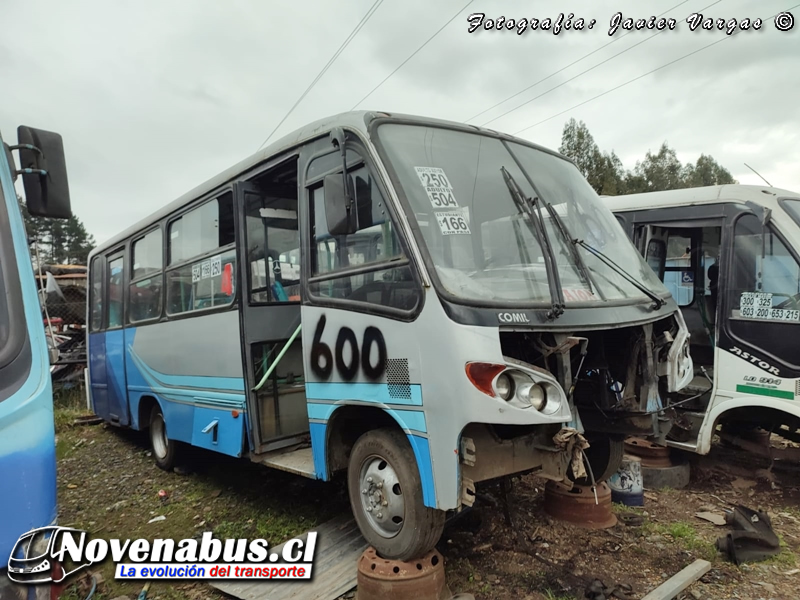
164, 449
386, 497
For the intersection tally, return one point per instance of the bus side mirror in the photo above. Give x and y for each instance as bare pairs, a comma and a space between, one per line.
339, 213
44, 173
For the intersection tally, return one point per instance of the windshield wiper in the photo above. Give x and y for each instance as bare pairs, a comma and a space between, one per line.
657, 302
576, 256
525, 207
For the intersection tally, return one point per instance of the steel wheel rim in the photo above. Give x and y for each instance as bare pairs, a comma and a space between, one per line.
382, 499
158, 435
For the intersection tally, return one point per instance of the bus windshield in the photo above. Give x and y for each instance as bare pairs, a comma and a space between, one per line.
481, 241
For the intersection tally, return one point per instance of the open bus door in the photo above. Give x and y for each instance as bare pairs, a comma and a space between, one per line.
267, 208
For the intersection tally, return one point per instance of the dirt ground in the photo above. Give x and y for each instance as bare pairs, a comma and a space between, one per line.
109, 485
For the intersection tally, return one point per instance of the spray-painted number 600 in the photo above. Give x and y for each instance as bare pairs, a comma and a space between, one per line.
322, 358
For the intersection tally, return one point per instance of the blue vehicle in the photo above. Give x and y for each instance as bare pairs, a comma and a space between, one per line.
27, 433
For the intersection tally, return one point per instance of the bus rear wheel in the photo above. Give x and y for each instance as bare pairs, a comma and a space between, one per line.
386, 497
165, 450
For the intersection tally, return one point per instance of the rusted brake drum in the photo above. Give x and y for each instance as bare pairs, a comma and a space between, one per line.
422, 579
653, 456
577, 505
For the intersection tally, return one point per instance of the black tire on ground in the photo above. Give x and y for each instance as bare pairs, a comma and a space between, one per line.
605, 457
417, 528
165, 450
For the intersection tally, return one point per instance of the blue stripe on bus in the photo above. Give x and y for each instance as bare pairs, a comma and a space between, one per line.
364, 392
425, 465
413, 420
318, 433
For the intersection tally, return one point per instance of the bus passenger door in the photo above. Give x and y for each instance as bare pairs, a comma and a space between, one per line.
117, 395
269, 247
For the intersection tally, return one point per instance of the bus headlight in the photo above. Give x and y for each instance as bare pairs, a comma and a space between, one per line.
504, 386
533, 395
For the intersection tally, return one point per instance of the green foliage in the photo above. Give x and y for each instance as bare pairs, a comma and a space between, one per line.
657, 172
60, 241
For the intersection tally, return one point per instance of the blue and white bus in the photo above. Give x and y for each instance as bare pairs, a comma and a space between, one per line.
27, 435
464, 308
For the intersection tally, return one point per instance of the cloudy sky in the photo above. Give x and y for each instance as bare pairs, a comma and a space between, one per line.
154, 97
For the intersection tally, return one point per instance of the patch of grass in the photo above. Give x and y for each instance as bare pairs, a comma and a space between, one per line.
550, 595
625, 509
685, 535
786, 559
68, 404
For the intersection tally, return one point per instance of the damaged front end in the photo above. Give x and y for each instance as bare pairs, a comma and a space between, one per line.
616, 377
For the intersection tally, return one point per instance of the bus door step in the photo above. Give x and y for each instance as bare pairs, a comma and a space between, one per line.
299, 462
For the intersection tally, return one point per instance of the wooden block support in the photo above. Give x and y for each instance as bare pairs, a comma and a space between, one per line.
680, 581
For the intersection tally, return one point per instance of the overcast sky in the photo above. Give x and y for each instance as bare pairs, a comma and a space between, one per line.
154, 97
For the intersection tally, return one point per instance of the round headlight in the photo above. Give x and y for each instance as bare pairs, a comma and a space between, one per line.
537, 397
533, 395
504, 386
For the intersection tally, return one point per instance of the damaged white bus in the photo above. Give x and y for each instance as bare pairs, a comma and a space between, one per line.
422, 304
729, 255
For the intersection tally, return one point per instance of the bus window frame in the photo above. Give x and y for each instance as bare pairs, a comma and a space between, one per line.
160, 273
11, 286
264, 170
794, 214
365, 158
216, 194
730, 252
120, 251
101, 261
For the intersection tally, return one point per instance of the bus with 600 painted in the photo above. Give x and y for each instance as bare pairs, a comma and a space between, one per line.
423, 304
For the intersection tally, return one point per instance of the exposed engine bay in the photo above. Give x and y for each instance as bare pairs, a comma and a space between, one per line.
616, 379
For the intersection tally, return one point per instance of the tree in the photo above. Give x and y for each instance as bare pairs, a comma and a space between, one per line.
657, 172
661, 171
60, 241
603, 171
706, 171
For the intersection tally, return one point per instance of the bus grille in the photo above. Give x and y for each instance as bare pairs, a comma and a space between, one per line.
398, 378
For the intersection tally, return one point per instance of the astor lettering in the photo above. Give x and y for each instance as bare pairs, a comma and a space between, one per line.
754, 360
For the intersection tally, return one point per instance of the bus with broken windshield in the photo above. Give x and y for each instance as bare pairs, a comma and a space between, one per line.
418, 304
730, 256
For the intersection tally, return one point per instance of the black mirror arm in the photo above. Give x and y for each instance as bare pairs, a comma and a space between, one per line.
339, 139
41, 172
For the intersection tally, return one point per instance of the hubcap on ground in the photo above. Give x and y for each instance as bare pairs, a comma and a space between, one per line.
381, 496
158, 433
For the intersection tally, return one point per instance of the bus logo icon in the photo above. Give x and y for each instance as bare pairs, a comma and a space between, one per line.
34, 560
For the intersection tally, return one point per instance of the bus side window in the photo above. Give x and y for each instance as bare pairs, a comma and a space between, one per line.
369, 249
777, 273
114, 295
144, 292
202, 257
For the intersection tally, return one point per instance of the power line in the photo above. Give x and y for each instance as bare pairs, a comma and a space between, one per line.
610, 58
616, 39
672, 62
324, 70
413, 54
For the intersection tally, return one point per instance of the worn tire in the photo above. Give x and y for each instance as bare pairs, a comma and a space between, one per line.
421, 526
165, 450
605, 457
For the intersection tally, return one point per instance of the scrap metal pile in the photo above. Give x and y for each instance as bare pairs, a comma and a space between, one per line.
62, 292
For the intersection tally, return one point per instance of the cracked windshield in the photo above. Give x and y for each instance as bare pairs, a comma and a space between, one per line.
491, 234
